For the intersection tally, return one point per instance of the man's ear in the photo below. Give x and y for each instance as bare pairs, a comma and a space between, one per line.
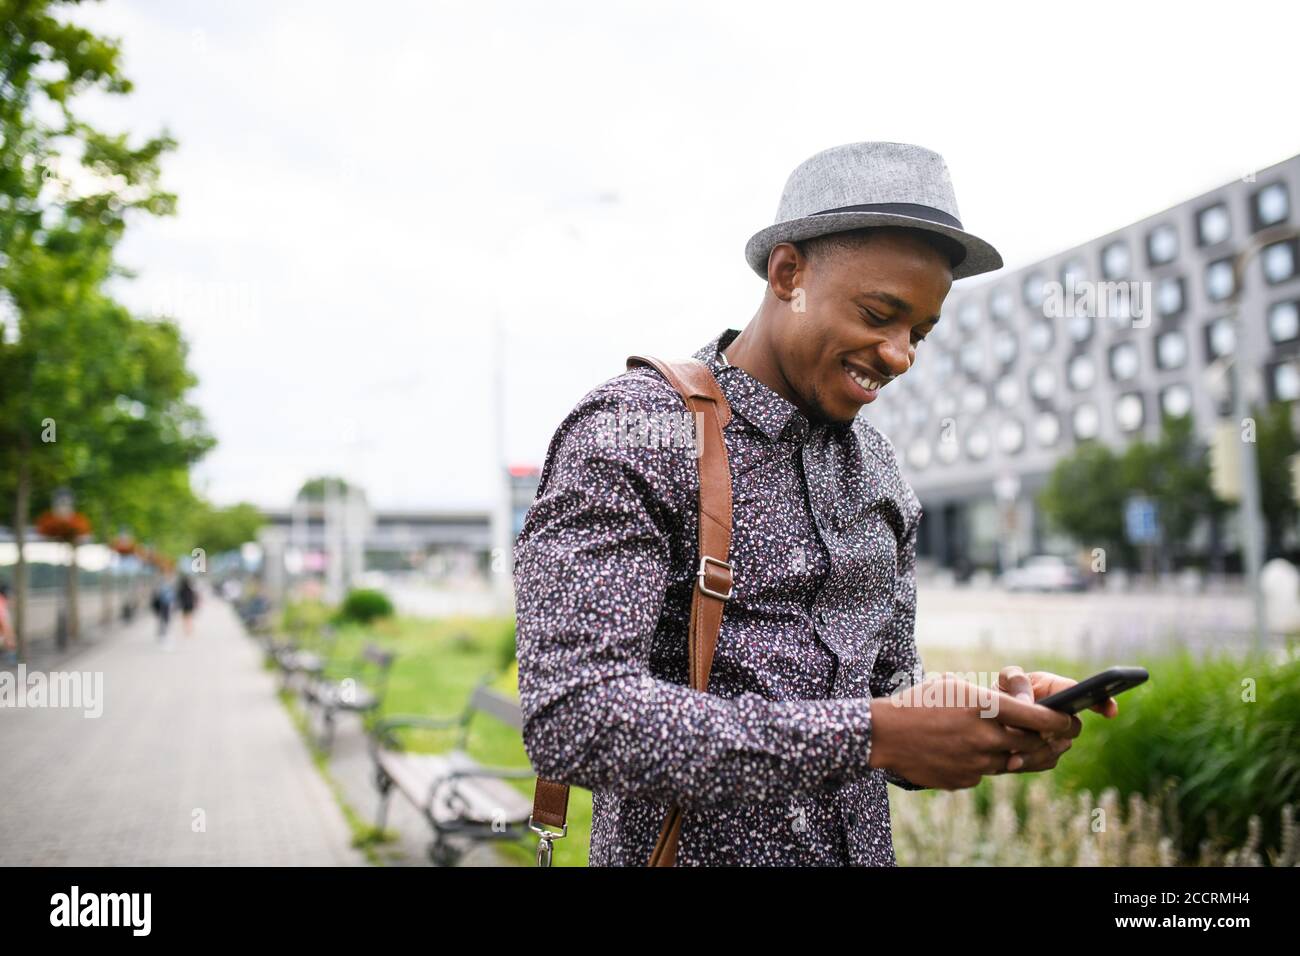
786, 267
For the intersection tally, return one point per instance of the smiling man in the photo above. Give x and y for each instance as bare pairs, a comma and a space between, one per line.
812, 704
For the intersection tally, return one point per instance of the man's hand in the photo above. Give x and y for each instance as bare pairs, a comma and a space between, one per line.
1033, 687
1039, 684
947, 733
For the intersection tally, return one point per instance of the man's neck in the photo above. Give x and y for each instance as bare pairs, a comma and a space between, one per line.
752, 352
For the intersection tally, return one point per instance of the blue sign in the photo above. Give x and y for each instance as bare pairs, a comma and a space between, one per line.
1140, 521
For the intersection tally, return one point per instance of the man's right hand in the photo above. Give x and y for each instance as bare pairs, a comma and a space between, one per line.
947, 733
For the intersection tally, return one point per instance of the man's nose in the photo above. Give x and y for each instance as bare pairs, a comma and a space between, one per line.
896, 354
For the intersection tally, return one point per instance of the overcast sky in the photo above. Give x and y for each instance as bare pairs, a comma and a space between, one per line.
366, 188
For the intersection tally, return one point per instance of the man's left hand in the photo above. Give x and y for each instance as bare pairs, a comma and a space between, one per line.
1034, 686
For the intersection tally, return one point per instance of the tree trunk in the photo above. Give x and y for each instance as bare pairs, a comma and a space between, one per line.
22, 504
107, 578
73, 628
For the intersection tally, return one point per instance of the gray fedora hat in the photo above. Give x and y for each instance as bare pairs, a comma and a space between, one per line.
871, 184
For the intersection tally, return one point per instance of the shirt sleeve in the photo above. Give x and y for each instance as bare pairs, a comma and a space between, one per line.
592, 564
899, 663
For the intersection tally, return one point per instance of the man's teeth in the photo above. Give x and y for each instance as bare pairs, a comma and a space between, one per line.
867, 383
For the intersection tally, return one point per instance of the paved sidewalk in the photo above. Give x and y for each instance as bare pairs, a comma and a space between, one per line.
198, 728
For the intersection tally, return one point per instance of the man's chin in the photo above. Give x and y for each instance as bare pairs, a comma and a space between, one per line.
821, 417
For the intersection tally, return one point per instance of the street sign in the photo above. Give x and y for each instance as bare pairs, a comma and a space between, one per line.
1140, 520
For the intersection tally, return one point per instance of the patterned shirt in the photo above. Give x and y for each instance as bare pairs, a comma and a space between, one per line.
770, 765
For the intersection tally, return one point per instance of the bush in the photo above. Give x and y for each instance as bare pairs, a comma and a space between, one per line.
1229, 757
365, 605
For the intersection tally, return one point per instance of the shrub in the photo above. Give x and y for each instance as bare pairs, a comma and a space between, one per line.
365, 605
1230, 758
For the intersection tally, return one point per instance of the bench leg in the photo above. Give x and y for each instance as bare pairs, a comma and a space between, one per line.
385, 785
327, 734
441, 853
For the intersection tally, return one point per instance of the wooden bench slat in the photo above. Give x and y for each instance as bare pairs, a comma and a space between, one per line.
414, 775
498, 705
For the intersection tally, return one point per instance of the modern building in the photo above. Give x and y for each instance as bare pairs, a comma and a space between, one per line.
1094, 343
438, 544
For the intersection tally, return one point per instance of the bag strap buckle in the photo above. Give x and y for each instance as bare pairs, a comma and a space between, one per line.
725, 566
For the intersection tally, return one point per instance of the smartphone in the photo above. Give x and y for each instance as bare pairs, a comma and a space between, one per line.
1095, 690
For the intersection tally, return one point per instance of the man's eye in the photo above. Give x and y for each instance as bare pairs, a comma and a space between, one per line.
873, 317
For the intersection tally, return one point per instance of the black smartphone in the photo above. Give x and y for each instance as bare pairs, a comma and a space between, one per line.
1095, 690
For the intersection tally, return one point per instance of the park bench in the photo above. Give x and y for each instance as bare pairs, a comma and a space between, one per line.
356, 687
305, 659
465, 802
255, 612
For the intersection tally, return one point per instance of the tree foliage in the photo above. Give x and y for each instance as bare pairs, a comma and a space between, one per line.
1276, 443
93, 398
225, 529
1084, 497
1086, 491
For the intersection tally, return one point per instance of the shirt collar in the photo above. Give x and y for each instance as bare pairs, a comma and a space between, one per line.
772, 414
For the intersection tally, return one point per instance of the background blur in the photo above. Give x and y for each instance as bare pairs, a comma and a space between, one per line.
293, 297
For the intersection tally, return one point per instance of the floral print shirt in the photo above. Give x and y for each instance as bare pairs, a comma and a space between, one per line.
770, 765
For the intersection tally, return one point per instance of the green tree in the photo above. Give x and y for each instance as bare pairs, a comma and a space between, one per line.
66, 191
141, 426
1084, 497
1174, 471
1276, 443
314, 489
225, 529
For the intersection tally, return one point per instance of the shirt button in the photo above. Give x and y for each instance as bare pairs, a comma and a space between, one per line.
821, 617
853, 819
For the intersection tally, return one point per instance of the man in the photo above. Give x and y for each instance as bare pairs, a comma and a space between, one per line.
164, 596
785, 759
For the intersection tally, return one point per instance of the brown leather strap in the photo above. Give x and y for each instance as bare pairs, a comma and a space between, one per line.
699, 390
550, 803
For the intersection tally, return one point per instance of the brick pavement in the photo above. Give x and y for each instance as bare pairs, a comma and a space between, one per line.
198, 728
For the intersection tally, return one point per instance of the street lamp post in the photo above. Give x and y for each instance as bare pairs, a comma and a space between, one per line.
1251, 514
61, 506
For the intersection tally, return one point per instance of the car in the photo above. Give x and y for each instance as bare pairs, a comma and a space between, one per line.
1044, 572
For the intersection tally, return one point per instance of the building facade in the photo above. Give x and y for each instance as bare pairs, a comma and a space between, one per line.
1094, 343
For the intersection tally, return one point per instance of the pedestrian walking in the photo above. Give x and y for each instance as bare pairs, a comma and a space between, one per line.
164, 598
187, 597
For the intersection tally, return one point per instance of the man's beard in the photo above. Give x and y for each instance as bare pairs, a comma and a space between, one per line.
818, 416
